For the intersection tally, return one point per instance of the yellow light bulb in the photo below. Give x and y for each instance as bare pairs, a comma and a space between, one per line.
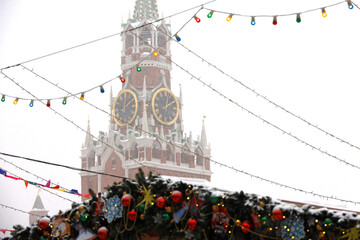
229, 18
324, 14
82, 96
156, 54
16, 101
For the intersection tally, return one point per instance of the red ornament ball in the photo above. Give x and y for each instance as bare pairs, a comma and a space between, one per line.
160, 202
44, 223
132, 215
278, 215
102, 233
126, 200
192, 223
245, 227
176, 196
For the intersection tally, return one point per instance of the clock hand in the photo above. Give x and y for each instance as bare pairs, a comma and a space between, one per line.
169, 104
129, 102
123, 110
167, 99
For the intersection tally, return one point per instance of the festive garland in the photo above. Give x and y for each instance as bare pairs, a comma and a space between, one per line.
154, 207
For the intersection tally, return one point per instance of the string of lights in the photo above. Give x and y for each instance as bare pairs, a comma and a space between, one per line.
64, 98
221, 164
38, 177
275, 16
42, 188
106, 37
101, 86
19, 210
258, 116
76, 125
264, 97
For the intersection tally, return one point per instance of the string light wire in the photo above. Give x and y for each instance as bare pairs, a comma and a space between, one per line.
103, 38
101, 85
212, 160
19, 210
57, 98
264, 97
257, 116
60, 165
76, 125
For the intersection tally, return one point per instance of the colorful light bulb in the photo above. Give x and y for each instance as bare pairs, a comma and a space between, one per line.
155, 54
253, 21
177, 38
3, 98
275, 20
122, 79
323, 12
350, 5
229, 18
210, 14
31, 103
298, 18
102, 89
16, 101
82, 96
138, 69
64, 101
197, 19
48, 103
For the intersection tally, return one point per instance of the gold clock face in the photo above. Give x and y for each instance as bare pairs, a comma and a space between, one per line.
165, 106
125, 107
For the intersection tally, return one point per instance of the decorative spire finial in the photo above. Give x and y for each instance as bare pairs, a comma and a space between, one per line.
146, 9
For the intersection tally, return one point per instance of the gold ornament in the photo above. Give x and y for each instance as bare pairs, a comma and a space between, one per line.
142, 217
148, 198
352, 233
168, 209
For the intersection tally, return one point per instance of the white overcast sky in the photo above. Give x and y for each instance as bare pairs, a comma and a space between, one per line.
311, 69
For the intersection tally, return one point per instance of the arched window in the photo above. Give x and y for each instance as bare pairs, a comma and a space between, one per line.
170, 153
91, 159
161, 40
156, 151
199, 159
129, 40
185, 155
145, 37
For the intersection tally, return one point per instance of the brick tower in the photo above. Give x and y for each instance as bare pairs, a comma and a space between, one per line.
146, 125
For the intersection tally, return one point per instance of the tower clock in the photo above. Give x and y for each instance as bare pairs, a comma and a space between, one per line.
125, 107
165, 106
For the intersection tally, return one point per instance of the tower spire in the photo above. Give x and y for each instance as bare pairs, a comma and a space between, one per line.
88, 138
146, 9
203, 141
